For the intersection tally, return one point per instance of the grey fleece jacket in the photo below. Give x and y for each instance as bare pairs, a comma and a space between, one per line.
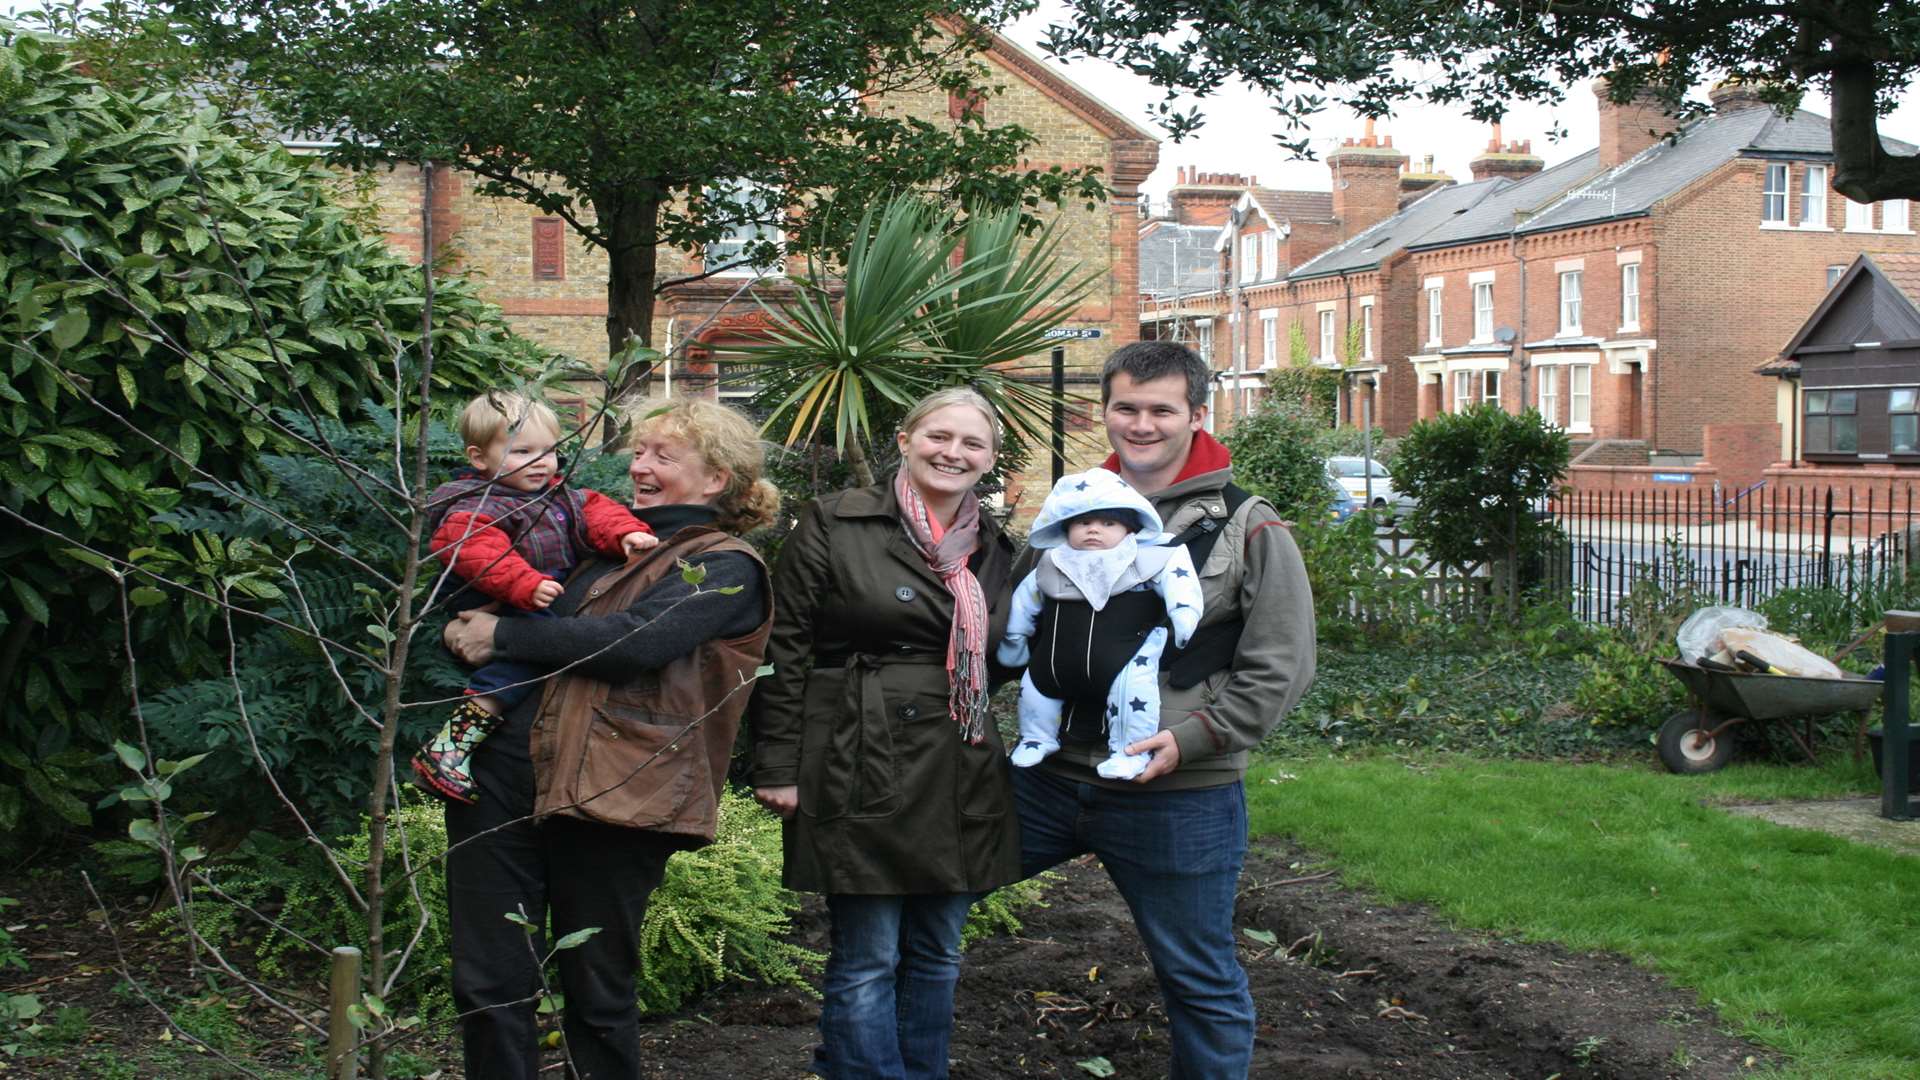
1254, 573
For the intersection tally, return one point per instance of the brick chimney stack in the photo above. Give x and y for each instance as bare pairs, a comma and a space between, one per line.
1630, 127
1366, 181
1204, 198
1510, 159
1422, 179
1730, 95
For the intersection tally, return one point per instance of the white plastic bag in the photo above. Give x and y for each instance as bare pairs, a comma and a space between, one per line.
1700, 635
1788, 656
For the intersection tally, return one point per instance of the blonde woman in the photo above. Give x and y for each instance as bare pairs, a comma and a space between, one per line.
586, 788
872, 739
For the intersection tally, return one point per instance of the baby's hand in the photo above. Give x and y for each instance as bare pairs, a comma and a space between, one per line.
1013, 651
636, 542
546, 593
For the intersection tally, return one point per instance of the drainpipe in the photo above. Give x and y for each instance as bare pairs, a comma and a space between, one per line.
666, 359
1237, 341
1346, 382
1521, 364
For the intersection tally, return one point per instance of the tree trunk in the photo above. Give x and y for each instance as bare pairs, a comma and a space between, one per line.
857, 461
1862, 169
632, 220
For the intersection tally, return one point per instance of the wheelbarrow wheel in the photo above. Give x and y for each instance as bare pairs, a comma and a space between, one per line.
1686, 746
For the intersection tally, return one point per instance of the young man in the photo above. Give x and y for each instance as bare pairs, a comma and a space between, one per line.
1173, 838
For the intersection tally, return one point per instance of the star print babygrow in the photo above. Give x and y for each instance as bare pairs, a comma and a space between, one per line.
1064, 575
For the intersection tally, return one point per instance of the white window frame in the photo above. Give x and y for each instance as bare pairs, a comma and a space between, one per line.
1250, 258
1630, 296
1435, 308
1834, 274
1329, 339
1773, 196
1483, 311
1490, 386
728, 247
1859, 215
1813, 198
1203, 340
1366, 330
1549, 389
1270, 254
1570, 302
1269, 341
1580, 398
1894, 216
1463, 398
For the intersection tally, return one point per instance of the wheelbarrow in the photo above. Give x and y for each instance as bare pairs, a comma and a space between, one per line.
1697, 740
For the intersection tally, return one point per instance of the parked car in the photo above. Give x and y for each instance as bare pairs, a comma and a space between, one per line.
1340, 505
1350, 474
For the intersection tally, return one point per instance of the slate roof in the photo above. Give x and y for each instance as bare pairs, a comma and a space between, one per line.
1664, 168
1283, 206
1494, 215
1178, 260
1411, 226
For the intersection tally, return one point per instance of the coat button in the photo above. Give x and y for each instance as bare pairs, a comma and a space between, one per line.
904, 594
909, 711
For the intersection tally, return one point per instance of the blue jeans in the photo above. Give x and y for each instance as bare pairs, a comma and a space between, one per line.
891, 968
1175, 856
501, 678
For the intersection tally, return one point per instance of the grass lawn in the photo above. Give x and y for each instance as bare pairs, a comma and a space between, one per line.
1806, 942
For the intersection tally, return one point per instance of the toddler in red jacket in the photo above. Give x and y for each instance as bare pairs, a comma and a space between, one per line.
511, 530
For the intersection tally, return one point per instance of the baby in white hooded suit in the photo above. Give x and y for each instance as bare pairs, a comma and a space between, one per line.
1097, 537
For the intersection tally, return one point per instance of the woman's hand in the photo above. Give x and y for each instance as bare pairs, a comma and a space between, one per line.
470, 636
781, 800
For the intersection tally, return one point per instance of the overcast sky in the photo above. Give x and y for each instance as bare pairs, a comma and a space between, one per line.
1238, 136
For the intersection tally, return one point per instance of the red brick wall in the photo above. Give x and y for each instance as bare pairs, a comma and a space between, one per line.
1742, 452
1729, 295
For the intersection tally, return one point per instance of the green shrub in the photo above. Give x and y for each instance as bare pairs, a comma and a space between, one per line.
1476, 478
156, 269
1313, 390
1276, 454
1361, 592
720, 912
998, 912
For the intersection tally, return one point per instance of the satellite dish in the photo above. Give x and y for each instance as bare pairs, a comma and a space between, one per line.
1504, 335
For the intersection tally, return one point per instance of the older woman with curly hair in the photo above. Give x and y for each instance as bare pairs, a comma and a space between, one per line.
589, 786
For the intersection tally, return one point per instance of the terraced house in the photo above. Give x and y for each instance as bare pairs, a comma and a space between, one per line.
1627, 293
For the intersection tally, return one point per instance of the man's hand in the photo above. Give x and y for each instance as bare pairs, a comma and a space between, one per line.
546, 593
1165, 751
470, 636
781, 800
636, 542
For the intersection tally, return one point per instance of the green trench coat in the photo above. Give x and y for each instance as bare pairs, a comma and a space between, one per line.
892, 800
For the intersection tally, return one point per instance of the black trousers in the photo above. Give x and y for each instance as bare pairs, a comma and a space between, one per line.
568, 873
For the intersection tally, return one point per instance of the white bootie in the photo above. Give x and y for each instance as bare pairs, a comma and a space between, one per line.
1030, 751
1123, 766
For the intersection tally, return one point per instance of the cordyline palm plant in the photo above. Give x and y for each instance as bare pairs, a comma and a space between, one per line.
911, 319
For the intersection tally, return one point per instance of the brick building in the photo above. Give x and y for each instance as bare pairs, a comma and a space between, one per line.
1626, 293
553, 289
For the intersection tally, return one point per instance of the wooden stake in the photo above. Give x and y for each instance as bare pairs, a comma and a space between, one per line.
343, 1058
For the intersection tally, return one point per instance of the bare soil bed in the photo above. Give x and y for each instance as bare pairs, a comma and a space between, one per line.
1348, 987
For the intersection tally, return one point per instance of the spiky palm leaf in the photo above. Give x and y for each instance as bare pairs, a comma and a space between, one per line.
1003, 312
910, 321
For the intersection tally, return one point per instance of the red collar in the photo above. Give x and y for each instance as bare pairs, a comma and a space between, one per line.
1205, 456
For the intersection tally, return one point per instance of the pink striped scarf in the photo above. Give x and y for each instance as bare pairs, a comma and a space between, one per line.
947, 558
